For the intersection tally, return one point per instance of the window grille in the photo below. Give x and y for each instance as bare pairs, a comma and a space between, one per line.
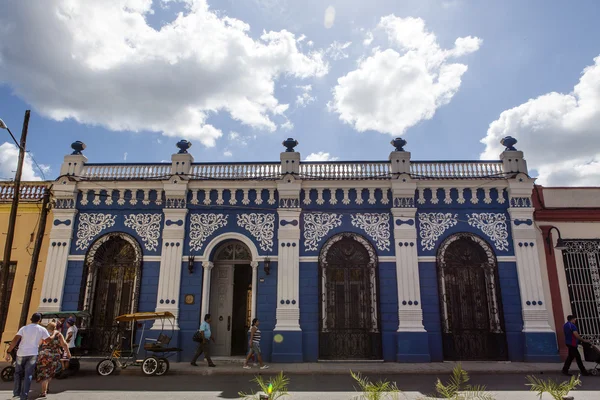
582, 268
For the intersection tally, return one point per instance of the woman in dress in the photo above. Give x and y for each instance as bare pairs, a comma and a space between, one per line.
254, 345
48, 361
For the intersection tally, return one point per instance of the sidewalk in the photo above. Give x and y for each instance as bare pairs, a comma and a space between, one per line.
228, 367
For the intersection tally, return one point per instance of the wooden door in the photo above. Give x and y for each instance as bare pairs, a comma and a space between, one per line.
221, 304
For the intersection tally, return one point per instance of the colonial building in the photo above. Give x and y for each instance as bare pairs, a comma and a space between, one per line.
569, 222
29, 219
397, 260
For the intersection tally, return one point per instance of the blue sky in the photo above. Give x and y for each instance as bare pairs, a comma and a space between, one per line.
131, 77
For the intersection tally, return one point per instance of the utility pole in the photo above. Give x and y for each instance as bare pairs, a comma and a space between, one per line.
4, 273
35, 258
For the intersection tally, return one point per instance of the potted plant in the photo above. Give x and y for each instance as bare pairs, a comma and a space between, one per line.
458, 388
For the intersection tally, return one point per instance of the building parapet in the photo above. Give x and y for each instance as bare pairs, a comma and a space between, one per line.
30, 191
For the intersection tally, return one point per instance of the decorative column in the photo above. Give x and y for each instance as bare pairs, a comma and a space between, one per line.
540, 340
287, 336
207, 266
169, 280
254, 265
412, 339
64, 213
173, 234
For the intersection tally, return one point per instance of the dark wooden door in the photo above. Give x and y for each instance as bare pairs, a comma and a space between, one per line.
470, 304
242, 292
349, 314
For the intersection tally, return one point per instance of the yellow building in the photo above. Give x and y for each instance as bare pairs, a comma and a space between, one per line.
29, 216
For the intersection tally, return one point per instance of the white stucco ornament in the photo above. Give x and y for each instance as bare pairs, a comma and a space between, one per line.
377, 226
317, 226
261, 226
493, 225
433, 225
147, 226
90, 225
204, 225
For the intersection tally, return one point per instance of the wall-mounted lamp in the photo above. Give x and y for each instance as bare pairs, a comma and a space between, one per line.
560, 243
267, 265
191, 264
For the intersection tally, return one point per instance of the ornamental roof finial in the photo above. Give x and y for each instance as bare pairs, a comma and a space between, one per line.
399, 144
509, 142
183, 146
289, 144
77, 146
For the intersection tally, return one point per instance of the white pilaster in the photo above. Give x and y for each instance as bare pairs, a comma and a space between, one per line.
169, 280
410, 313
535, 315
254, 265
207, 267
288, 271
56, 262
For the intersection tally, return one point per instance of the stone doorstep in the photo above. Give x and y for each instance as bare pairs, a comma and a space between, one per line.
234, 367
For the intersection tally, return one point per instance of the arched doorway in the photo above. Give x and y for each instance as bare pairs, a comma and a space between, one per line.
470, 303
231, 298
110, 287
349, 312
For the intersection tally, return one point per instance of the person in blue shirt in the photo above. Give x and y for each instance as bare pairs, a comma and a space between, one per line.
572, 339
204, 345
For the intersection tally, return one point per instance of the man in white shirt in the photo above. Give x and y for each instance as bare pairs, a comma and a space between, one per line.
71, 332
29, 339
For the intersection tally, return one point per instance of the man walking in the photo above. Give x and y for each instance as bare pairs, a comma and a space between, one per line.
204, 345
572, 340
30, 337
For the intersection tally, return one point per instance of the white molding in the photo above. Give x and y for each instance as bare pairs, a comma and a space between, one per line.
381, 259
81, 257
227, 236
499, 258
185, 258
225, 185
472, 183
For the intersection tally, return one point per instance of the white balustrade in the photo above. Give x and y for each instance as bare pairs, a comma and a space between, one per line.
456, 169
345, 170
28, 191
126, 171
271, 170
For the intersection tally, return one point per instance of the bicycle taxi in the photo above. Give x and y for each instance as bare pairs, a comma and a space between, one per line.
156, 351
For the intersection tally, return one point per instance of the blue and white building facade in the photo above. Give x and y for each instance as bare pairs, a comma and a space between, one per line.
397, 260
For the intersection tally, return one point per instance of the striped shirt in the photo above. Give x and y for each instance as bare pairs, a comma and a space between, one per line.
256, 337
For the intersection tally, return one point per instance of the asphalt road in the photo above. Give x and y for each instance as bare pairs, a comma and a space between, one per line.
89, 386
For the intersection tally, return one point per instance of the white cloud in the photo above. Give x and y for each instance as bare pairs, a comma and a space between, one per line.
396, 88
228, 153
320, 156
329, 17
337, 50
125, 156
9, 157
101, 63
368, 39
305, 98
239, 140
287, 125
557, 132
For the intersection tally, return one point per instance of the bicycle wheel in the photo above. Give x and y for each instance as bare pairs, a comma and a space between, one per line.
150, 366
7, 373
163, 366
106, 367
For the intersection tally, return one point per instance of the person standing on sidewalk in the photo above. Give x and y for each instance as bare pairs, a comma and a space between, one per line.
204, 345
572, 339
255, 345
30, 337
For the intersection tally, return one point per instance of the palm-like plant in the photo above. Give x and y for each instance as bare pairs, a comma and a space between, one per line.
274, 388
374, 390
557, 390
458, 388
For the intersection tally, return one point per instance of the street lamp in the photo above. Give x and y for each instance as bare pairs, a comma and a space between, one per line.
4, 126
560, 243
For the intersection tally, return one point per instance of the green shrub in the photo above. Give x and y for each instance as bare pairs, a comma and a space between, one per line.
458, 388
553, 388
275, 388
374, 391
